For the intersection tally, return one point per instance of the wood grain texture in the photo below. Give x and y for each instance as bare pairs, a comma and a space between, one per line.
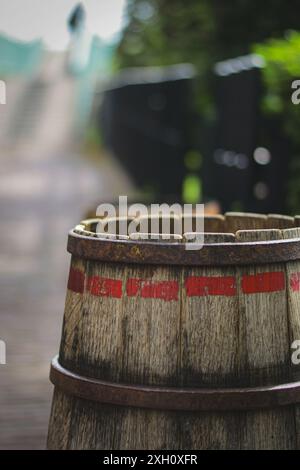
264, 352
133, 340
213, 223
213, 330
156, 237
151, 355
258, 235
163, 223
297, 221
209, 237
209, 354
208, 345
60, 421
280, 221
235, 221
263, 322
293, 295
72, 318
269, 430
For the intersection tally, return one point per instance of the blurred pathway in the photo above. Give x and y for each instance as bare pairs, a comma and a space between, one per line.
45, 188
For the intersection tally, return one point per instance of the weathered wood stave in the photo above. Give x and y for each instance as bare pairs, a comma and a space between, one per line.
204, 341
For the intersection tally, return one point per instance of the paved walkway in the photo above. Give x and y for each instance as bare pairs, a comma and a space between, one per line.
45, 189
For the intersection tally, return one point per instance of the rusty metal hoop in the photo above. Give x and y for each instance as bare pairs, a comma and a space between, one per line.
215, 254
167, 398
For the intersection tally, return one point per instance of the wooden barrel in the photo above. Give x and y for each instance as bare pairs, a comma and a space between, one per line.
168, 348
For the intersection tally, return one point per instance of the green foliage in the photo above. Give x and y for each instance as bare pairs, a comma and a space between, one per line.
93, 140
202, 32
164, 32
282, 67
193, 160
192, 189
282, 59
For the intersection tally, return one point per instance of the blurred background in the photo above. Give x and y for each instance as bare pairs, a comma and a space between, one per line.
162, 102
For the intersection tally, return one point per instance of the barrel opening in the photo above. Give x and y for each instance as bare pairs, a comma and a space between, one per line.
231, 227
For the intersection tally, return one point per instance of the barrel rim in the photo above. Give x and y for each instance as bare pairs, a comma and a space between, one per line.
164, 253
171, 398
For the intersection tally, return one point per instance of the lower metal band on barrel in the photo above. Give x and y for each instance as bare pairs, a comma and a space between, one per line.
164, 398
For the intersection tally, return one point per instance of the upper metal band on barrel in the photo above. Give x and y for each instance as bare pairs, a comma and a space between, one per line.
215, 254
164, 398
